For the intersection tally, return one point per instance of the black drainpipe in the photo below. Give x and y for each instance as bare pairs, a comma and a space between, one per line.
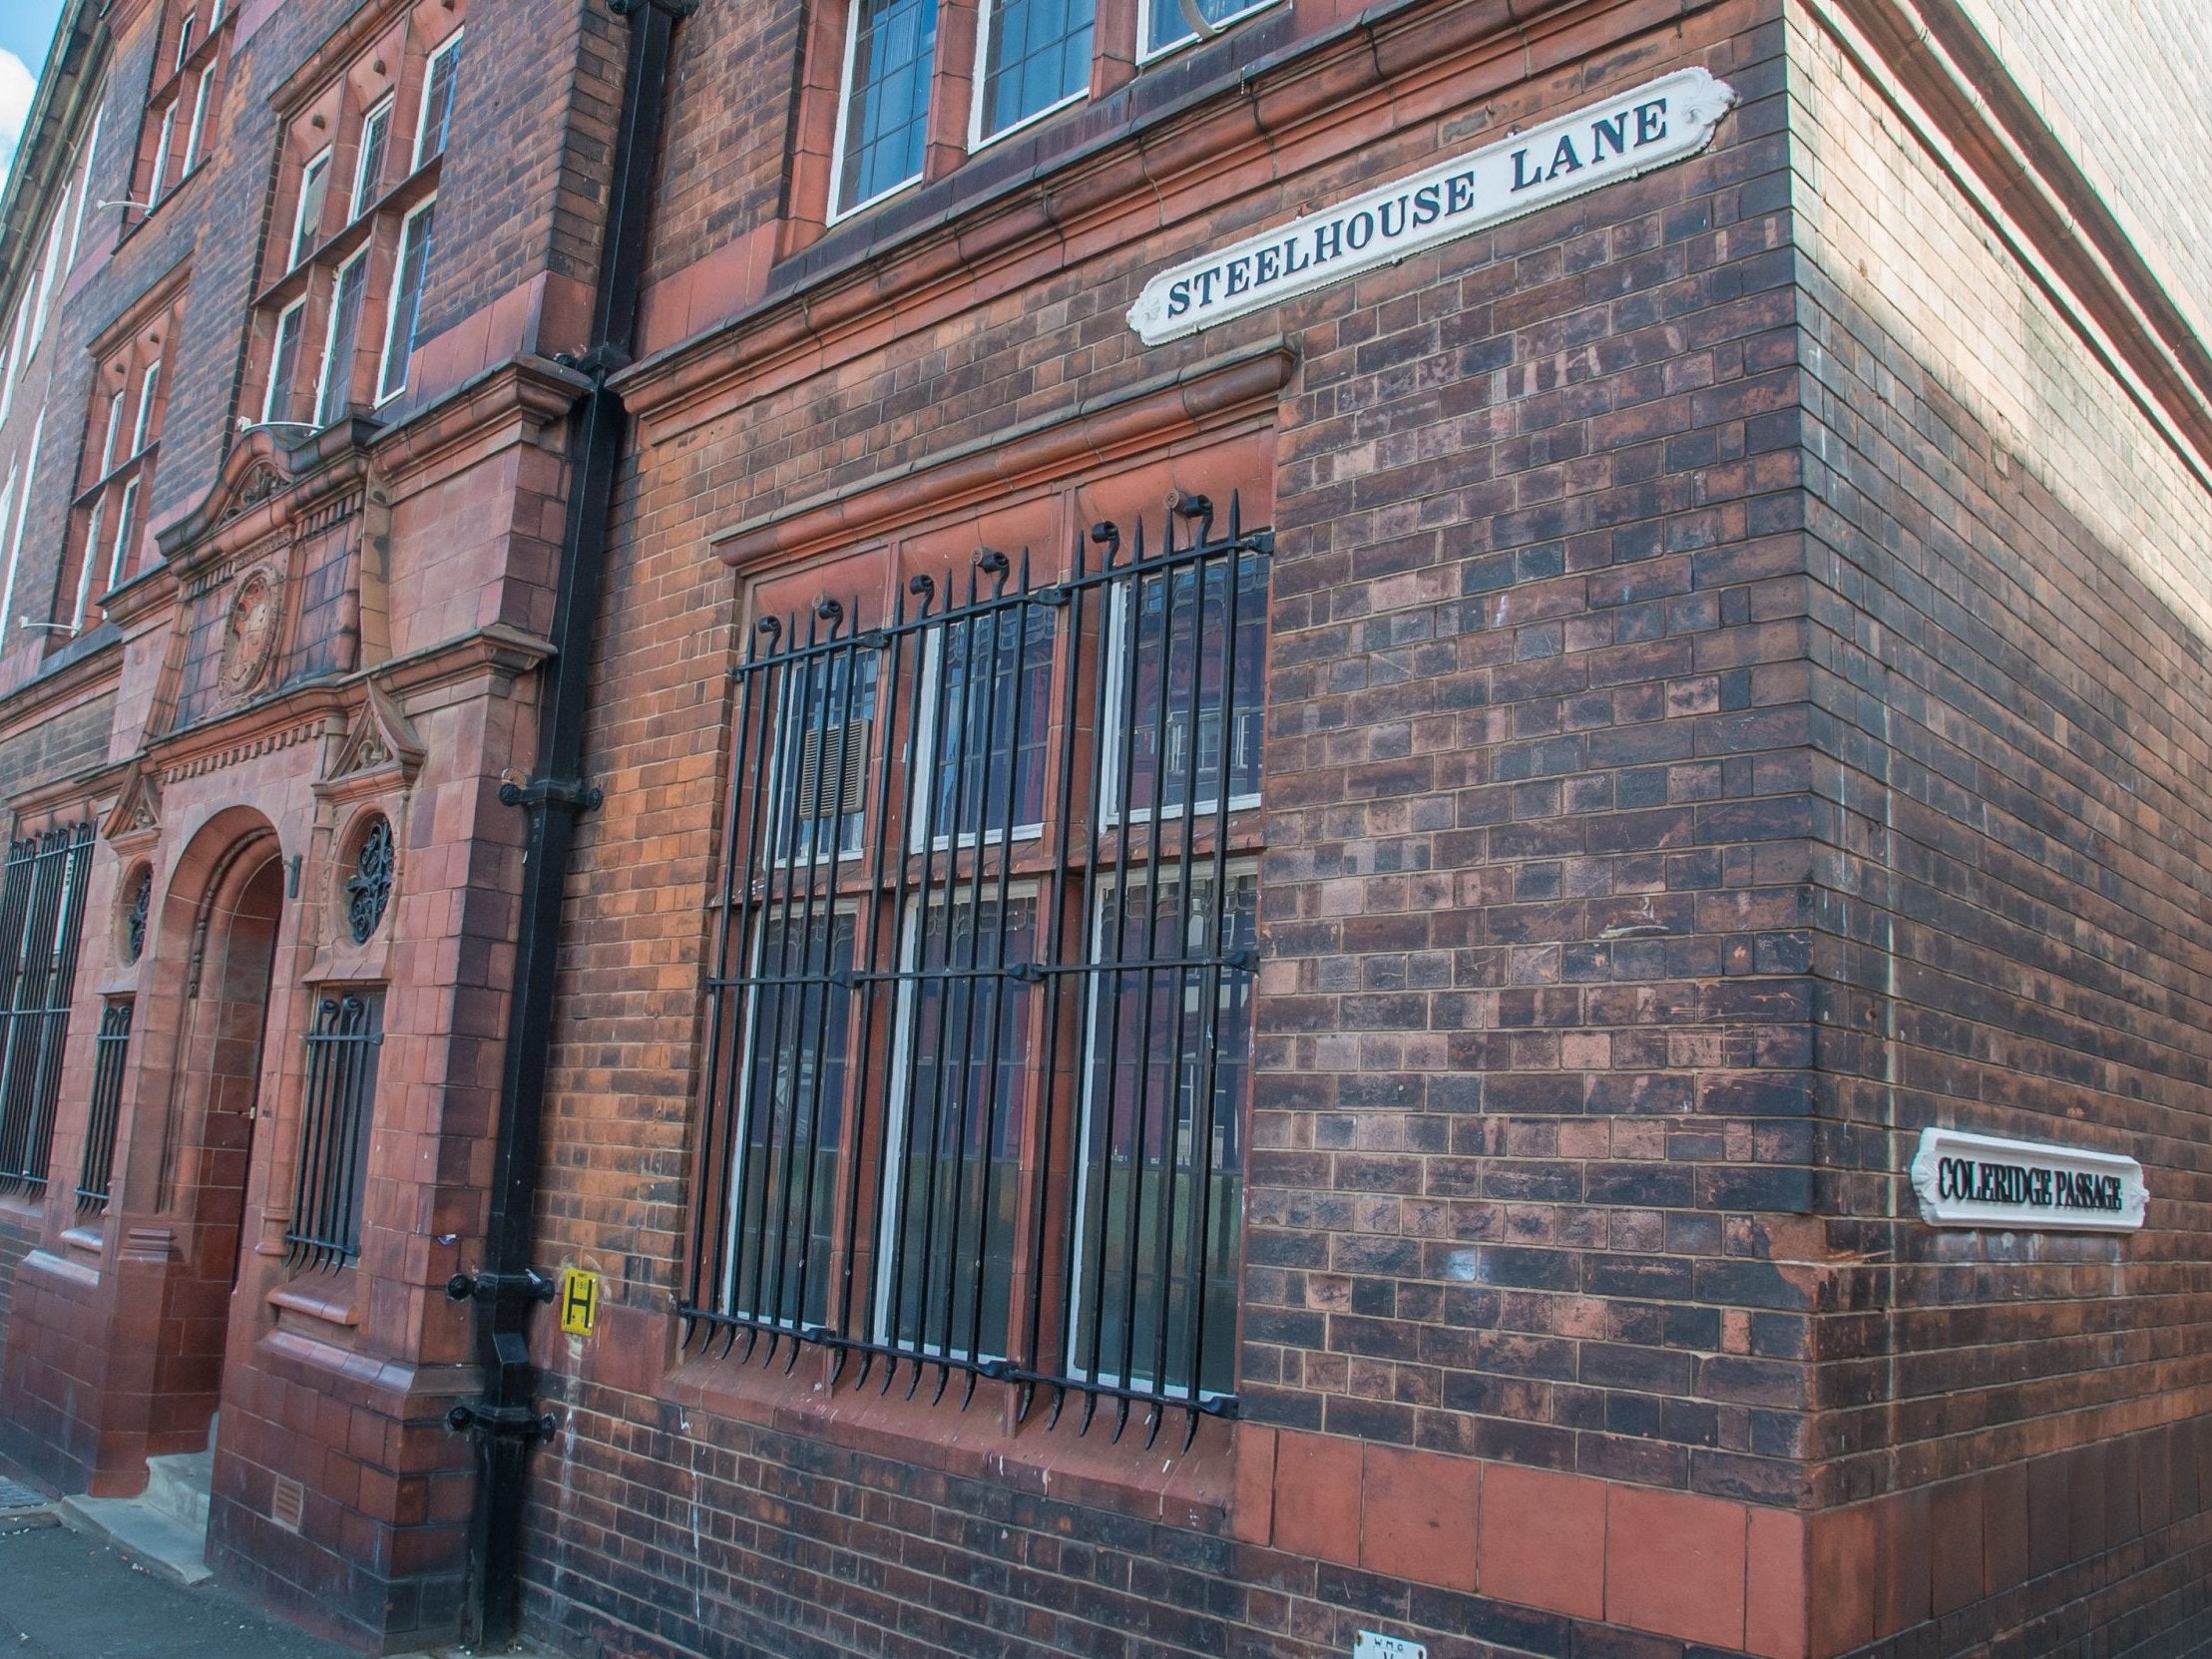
504, 1420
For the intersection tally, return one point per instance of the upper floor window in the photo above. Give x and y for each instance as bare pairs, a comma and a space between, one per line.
901, 102
115, 475
335, 324
191, 59
982, 1000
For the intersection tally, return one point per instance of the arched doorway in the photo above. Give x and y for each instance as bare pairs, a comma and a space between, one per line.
207, 1129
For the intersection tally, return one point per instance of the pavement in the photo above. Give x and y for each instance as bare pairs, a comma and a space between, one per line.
67, 1596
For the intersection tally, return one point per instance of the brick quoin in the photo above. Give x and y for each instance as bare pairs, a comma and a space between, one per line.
1734, 698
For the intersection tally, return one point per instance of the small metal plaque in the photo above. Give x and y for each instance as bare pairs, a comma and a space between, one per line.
579, 1301
1372, 1646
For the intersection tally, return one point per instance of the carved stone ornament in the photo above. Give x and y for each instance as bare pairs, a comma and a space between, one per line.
249, 635
256, 487
137, 810
379, 737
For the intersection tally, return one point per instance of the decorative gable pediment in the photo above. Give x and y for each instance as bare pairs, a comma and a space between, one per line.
136, 815
380, 749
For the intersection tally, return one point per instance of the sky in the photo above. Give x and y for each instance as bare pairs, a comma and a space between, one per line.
26, 28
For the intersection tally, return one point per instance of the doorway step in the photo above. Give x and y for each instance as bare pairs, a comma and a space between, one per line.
166, 1527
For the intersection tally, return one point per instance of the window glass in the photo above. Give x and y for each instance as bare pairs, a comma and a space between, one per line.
161, 153
1166, 25
793, 1116
437, 98
962, 1086
198, 119
143, 431
984, 718
314, 181
399, 332
121, 550
884, 125
1168, 698
1162, 1112
114, 430
369, 167
283, 362
335, 385
819, 795
1037, 54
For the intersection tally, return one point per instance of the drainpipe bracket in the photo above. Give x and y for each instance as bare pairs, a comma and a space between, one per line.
572, 794
524, 1287
503, 1423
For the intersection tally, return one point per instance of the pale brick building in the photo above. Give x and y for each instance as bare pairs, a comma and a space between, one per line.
1315, 742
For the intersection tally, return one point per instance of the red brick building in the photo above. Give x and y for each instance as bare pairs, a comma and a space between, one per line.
1237, 803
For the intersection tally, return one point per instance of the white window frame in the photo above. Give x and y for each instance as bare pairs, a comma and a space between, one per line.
93, 531
446, 47
142, 427
115, 428
385, 390
122, 548
193, 158
1147, 50
184, 39
844, 115
52, 265
362, 184
160, 190
987, 15
791, 856
317, 164
295, 313
84, 190
1111, 882
22, 512
891, 1152
331, 335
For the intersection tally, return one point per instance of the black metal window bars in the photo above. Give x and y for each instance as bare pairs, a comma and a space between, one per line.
342, 1045
981, 991
42, 914
110, 1051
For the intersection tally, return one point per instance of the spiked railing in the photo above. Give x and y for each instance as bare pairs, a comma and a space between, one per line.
979, 996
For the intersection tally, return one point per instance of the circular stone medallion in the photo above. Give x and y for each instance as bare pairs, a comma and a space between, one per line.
250, 637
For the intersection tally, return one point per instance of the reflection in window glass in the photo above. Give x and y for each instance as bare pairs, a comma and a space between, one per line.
437, 100
335, 385
369, 165
963, 1079
986, 723
314, 180
886, 115
399, 332
1148, 1238
1038, 54
1170, 702
819, 795
1166, 26
793, 1119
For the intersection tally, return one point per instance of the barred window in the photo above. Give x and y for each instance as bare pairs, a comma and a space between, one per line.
981, 1038
42, 915
112, 1050
342, 1045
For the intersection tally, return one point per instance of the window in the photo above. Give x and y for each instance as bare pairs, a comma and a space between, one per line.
890, 50
42, 913
344, 1042
123, 435
368, 163
436, 118
1035, 56
897, 95
314, 184
399, 326
335, 377
981, 1043
283, 362
187, 94
110, 1052
360, 203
